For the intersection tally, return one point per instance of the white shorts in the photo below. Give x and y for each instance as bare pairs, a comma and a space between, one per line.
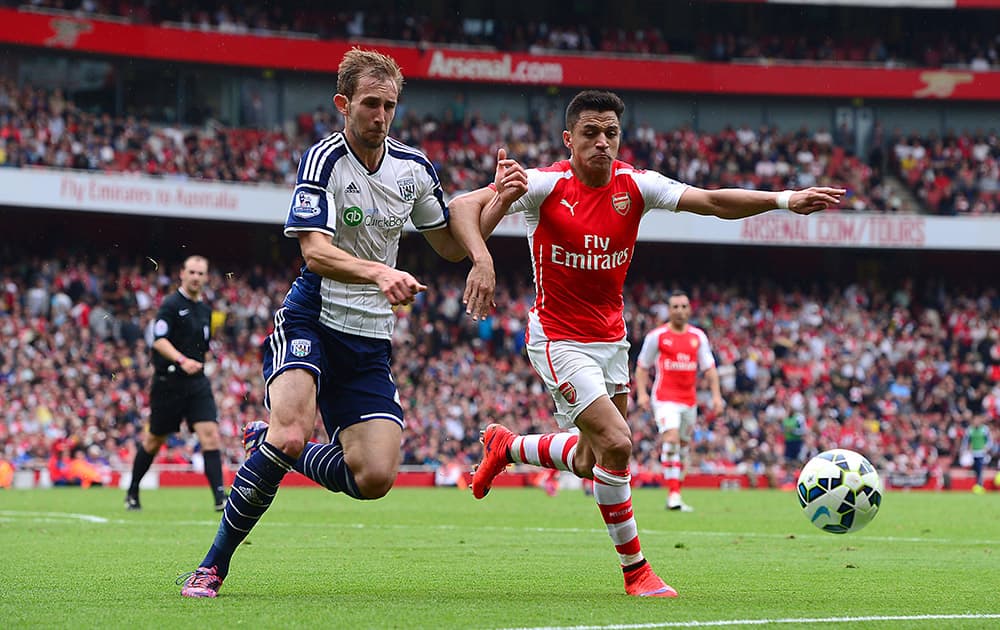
672, 415
577, 374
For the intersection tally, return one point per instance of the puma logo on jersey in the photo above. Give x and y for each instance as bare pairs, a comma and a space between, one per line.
570, 206
352, 188
183, 312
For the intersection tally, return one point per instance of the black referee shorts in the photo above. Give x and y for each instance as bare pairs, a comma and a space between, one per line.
173, 399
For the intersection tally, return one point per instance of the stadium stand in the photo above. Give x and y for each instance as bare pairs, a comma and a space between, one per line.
951, 175
43, 128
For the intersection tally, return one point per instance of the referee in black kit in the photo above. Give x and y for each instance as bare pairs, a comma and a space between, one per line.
181, 391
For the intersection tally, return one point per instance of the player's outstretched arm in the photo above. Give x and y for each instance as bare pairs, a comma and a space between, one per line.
736, 203
326, 259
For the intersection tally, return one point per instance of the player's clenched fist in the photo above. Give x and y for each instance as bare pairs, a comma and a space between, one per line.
511, 180
398, 287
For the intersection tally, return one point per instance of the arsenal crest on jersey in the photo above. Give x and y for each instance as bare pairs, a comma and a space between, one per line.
621, 202
407, 188
568, 392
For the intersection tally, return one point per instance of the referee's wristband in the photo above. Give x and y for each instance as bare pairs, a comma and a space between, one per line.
783, 198
181, 361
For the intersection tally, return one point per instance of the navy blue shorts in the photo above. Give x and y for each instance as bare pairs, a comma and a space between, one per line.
353, 381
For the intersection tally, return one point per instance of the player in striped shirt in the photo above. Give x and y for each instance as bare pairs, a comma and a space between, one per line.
330, 348
583, 218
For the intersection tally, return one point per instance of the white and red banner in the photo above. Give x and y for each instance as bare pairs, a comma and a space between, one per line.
142, 195
438, 63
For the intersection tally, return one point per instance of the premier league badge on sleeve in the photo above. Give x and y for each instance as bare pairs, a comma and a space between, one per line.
301, 347
305, 204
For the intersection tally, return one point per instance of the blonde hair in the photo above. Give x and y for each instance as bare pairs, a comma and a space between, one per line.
358, 63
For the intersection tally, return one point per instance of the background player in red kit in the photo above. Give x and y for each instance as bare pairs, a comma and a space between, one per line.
677, 351
583, 218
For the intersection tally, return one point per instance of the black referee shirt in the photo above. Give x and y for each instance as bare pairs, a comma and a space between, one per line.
187, 325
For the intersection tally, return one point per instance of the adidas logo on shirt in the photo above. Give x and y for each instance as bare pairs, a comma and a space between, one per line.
352, 188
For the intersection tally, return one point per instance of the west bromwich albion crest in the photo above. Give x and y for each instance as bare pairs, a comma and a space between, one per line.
407, 188
301, 347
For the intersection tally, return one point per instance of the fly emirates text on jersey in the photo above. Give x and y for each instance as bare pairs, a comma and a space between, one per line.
597, 255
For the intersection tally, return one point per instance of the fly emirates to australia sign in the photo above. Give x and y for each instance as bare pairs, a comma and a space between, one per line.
115, 192
142, 195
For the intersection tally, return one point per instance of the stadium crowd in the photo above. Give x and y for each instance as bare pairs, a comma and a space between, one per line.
760, 39
43, 128
896, 375
951, 175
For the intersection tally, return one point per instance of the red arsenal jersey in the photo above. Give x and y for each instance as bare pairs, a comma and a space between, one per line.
677, 358
582, 240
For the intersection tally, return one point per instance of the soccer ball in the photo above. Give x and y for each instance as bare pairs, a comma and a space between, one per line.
839, 491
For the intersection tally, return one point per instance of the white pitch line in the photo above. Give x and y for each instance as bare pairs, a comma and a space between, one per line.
825, 537
764, 622
89, 518
543, 530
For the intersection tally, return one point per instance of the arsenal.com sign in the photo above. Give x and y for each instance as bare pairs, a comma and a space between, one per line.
501, 68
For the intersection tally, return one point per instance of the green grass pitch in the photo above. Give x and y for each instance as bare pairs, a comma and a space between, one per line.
436, 558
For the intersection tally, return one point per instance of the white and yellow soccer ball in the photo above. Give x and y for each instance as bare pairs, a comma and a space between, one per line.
839, 491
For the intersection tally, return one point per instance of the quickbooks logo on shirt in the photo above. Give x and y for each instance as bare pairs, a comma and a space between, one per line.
353, 216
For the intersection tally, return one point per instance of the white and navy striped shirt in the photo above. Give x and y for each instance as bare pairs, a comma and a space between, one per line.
364, 213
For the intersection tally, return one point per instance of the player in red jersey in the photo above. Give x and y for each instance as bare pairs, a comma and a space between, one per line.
677, 351
583, 218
